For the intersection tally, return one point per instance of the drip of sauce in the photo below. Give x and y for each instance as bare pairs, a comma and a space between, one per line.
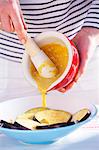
59, 56
44, 104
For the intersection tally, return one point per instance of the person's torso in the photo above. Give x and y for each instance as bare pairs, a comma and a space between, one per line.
65, 16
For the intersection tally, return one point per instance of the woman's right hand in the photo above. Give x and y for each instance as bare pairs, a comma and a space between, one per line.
86, 41
11, 18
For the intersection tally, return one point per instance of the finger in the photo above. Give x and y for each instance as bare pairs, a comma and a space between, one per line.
63, 90
24, 24
78, 75
68, 87
82, 68
18, 24
12, 26
0, 24
21, 15
5, 23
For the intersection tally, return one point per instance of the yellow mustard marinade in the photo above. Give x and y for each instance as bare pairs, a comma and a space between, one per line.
59, 56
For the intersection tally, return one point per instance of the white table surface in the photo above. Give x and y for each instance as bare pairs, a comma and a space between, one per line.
85, 138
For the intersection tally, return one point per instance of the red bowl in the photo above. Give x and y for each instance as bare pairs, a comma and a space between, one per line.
73, 62
68, 78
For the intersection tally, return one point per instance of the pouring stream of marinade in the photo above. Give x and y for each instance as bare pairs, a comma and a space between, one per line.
58, 54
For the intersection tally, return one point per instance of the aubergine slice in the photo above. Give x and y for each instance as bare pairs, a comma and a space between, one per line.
31, 113
35, 119
53, 116
81, 115
27, 123
8, 125
70, 123
52, 126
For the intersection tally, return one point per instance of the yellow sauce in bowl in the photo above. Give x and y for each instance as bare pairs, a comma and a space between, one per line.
59, 56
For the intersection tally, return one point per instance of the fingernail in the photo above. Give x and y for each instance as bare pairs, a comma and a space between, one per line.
62, 90
26, 27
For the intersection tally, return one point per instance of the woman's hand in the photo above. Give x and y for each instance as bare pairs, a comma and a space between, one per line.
11, 18
86, 42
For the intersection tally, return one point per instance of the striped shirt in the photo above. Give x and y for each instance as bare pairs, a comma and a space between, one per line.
65, 16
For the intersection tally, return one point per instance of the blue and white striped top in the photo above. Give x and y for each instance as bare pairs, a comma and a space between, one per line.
66, 16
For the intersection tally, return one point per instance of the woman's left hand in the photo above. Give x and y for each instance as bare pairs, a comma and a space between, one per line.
86, 42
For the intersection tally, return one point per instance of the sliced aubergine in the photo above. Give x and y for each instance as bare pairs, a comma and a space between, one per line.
70, 123
31, 113
81, 115
35, 119
8, 125
25, 116
53, 116
51, 126
28, 123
